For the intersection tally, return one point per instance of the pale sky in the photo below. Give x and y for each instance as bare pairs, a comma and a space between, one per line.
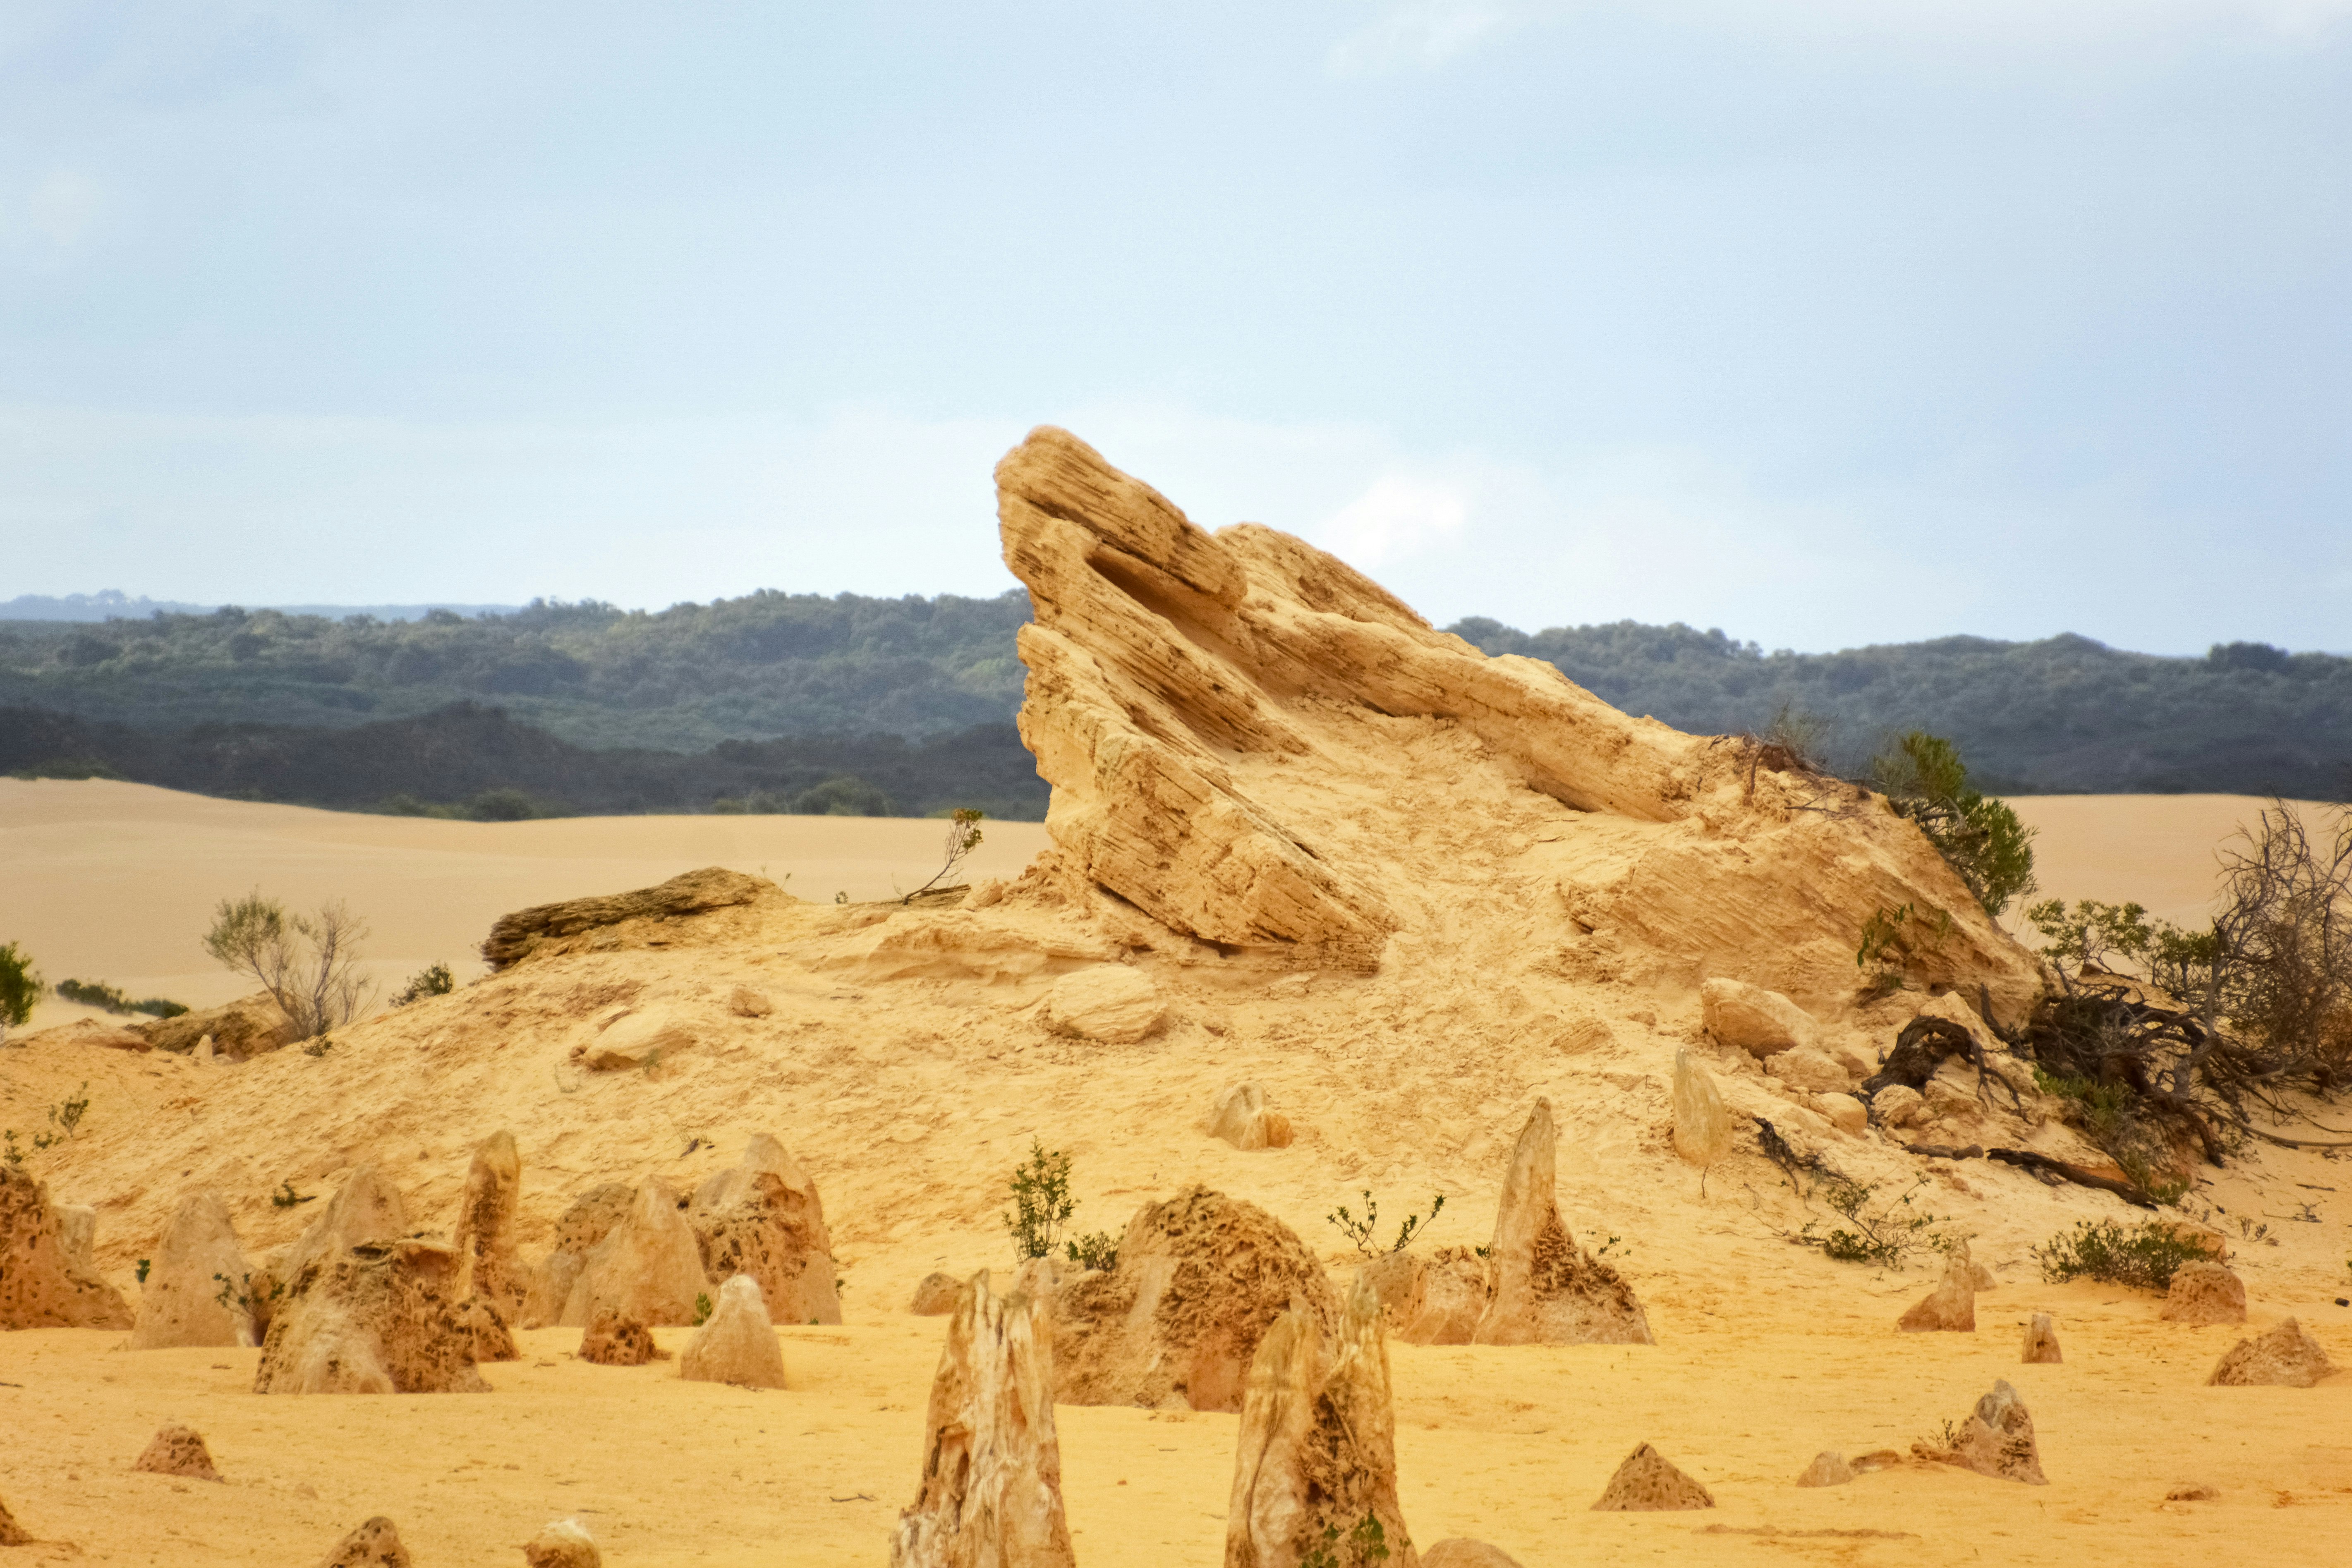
1825, 321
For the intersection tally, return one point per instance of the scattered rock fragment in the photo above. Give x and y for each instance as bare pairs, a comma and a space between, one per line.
1761, 1023
1996, 1440
1845, 1112
648, 1266
2285, 1357
516, 936
11, 1532
177, 1450
1108, 1002
1315, 1469
1898, 1105
565, 1543
1951, 1307
1546, 1289
936, 1296
991, 1491
588, 1220
41, 1285
2204, 1293
1829, 1469
736, 1343
1461, 1551
2041, 1342
746, 1002
382, 1318
1199, 1277
1648, 1482
197, 1285
764, 1218
375, 1544
2192, 1491
1243, 1118
1810, 1070
1702, 1122
640, 1039
615, 1341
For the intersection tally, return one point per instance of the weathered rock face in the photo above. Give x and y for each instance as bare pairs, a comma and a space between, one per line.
764, 1218
375, 1544
178, 1451
2041, 1342
1761, 1023
992, 1488
243, 1028
615, 1341
1648, 1482
1461, 1551
641, 1039
737, 1343
1546, 1289
2286, 1357
1807, 1069
367, 1208
936, 1296
197, 1263
647, 1268
2204, 1293
381, 1318
1243, 1117
1315, 1467
1199, 1277
78, 1235
486, 1219
1173, 674
1702, 1122
588, 1220
565, 1543
1437, 1301
41, 1285
1997, 1439
1828, 1469
1108, 1002
557, 926
1951, 1305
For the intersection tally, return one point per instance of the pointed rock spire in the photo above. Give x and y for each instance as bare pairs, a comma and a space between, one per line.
198, 1287
1547, 1290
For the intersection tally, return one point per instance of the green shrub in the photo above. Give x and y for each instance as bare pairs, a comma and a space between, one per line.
20, 987
2145, 1256
1096, 1249
1885, 1233
1042, 1203
1360, 1231
1926, 782
433, 980
97, 994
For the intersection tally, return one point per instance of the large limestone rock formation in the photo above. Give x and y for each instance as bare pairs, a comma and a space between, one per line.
381, 1318
1997, 1439
544, 926
589, 1219
615, 1341
1951, 1305
992, 1488
1648, 1482
2286, 1357
1315, 1467
1437, 1300
375, 1544
1201, 1277
1546, 1289
1175, 676
494, 1284
1702, 1122
764, 1218
366, 1208
192, 1294
2204, 1293
42, 1285
1108, 1002
736, 1343
2041, 1342
243, 1029
177, 1450
647, 1268
565, 1543
1243, 1117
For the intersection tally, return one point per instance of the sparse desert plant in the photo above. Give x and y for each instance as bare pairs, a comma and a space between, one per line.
97, 994
1885, 1233
1366, 1546
286, 1197
1926, 782
2145, 1256
65, 1120
238, 1293
433, 980
20, 987
320, 1046
963, 838
308, 963
144, 1265
701, 1308
1892, 939
1096, 1250
1361, 1232
1042, 1203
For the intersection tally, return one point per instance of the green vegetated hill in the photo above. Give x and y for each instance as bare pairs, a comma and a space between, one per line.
778, 701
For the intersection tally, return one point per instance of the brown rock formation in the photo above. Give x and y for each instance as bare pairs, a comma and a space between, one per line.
1199, 1277
1647, 1482
1242, 1116
1315, 1466
11, 1532
588, 1220
366, 1208
565, 1543
183, 1301
1546, 1289
1997, 1440
1828, 1469
2041, 1342
764, 1218
2285, 1357
736, 1343
1951, 1305
1437, 1301
647, 1268
615, 1341
178, 1450
1172, 674
992, 1488
494, 1284
381, 1318
41, 1285
2204, 1293
516, 936
375, 1544
936, 1296
1461, 1551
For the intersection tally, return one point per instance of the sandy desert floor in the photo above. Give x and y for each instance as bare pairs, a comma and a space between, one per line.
1767, 1352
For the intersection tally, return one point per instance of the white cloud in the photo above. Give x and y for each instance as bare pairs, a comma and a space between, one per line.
64, 203
1399, 516
1421, 34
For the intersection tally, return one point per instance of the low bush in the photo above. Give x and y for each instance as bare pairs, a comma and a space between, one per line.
1042, 1203
2145, 1256
1361, 1231
97, 994
434, 980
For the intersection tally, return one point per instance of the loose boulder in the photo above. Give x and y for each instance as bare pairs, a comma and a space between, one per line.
1761, 1023
736, 1343
936, 1296
647, 1268
991, 1489
640, 1039
588, 1220
42, 1286
565, 1543
1648, 1482
1461, 1551
1243, 1118
375, 1544
1809, 1071
1702, 1122
2204, 1293
764, 1218
1997, 1440
2041, 1342
1546, 1289
177, 1450
1200, 1278
1314, 1469
1951, 1305
615, 1341
382, 1318
1108, 1002
197, 1281
2286, 1357
1437, 1301
1829, 1469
